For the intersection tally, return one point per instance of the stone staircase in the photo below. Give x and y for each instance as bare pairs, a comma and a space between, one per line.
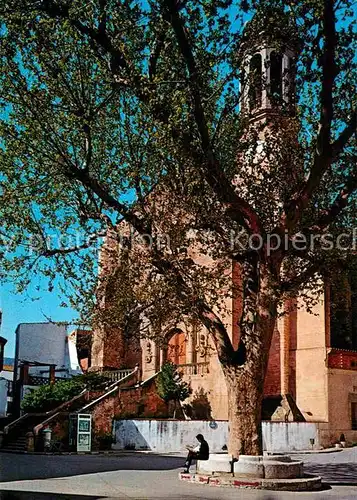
14, 439
16, 445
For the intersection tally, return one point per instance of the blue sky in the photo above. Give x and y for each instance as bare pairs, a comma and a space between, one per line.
20, 308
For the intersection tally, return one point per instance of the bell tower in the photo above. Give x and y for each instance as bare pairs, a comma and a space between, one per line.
269, 158
269, 161
269, 49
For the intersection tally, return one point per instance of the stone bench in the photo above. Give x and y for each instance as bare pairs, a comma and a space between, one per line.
217, 462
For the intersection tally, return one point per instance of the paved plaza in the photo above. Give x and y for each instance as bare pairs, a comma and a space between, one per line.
149, 476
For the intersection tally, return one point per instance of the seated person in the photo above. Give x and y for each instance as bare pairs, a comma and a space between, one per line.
200, 452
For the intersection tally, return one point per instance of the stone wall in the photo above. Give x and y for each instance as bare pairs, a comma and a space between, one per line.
311, 369
127, 402
342, 392
164, 436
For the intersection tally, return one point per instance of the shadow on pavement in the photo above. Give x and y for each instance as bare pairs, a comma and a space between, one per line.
30, 495
35, 495
334, 474
22, 467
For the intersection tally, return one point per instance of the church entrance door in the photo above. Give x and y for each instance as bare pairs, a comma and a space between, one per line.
176, 349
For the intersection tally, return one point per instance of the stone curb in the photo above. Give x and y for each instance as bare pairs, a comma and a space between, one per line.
17, 452
118, 453
307, 483
308, 452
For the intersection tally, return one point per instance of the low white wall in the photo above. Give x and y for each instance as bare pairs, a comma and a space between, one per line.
173, 435
168, 435
290, 436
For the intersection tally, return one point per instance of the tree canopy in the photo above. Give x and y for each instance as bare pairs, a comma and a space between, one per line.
102, 102
118, 113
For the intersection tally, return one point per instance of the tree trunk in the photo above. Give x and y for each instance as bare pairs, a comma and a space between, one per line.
245, 396
245, 368
245, 375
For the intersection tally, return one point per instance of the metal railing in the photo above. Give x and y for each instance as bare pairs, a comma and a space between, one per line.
194, 369
113, 387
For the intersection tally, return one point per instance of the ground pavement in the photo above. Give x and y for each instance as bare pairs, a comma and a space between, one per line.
149, 476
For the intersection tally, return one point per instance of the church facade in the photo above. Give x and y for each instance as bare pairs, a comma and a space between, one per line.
312, 370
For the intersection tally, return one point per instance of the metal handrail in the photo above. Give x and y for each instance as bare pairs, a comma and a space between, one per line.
112, 388
44, 414
14, 423
56, 411
53, 413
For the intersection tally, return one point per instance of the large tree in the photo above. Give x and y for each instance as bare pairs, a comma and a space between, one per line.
127, 114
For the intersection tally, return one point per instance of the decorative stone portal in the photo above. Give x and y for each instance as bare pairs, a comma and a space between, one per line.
176, 348
271, 472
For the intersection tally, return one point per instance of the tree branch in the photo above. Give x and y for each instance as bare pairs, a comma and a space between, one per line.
155, 54
186, 50
83, 176
50, 252
323, 155
329, 73
218, 333
345, 136
236, 207
339, 203
100, 36
293, 284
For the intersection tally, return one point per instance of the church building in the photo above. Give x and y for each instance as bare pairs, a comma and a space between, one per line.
312, 370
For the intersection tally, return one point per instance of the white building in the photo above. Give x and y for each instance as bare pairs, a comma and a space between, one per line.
43, 353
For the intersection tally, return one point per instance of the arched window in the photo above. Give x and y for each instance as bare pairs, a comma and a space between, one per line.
256, 84
275, 78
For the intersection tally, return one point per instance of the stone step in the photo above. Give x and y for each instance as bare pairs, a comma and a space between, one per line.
13, 448
19, 439
18, 443
15, 443
306, 483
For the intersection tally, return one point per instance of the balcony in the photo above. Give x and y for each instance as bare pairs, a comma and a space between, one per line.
194, 369
117, 375
343, 359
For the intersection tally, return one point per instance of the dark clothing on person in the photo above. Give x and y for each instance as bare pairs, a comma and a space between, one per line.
204, 451
202, 454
